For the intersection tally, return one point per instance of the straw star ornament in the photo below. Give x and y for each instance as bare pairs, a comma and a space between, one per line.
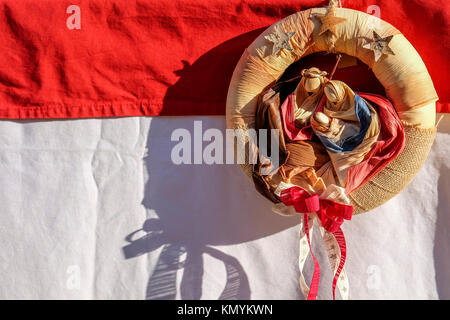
329, 21
280, 40
380, 46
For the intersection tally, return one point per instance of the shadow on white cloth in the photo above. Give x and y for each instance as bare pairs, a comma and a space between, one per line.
197, 208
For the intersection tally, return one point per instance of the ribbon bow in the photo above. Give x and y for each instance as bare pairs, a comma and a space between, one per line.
331, 215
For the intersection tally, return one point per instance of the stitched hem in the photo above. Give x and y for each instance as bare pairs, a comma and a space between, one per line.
114, 109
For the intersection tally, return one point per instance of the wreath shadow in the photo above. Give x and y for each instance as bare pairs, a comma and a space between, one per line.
197, 206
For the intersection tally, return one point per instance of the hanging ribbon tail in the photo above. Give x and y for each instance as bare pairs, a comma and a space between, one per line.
331, 215
314, 288
304, 251
339, 236
334, 256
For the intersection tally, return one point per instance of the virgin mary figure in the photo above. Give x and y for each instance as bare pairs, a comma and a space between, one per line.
298, 107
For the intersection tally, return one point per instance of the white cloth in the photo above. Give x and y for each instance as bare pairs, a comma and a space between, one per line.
73, 192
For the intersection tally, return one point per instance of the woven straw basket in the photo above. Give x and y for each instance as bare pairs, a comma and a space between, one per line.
404, 76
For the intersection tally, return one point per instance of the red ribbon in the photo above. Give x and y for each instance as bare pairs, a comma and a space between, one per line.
331, 215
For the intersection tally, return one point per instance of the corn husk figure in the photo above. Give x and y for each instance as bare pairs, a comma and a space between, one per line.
348, 126
307, 95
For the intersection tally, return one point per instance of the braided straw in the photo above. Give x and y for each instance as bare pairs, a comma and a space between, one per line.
398, 174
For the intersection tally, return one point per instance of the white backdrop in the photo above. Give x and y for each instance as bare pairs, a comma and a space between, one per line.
95, 209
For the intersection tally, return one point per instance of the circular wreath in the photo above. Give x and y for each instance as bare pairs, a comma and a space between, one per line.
393, 60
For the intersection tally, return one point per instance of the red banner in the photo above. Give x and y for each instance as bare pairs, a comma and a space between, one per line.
92, 58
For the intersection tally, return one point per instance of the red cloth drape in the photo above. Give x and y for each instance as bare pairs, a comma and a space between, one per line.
163, 57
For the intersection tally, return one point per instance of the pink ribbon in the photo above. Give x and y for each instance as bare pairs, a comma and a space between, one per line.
331, 215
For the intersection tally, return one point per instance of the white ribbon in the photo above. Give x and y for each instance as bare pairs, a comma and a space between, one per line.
335, 193
334, 257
